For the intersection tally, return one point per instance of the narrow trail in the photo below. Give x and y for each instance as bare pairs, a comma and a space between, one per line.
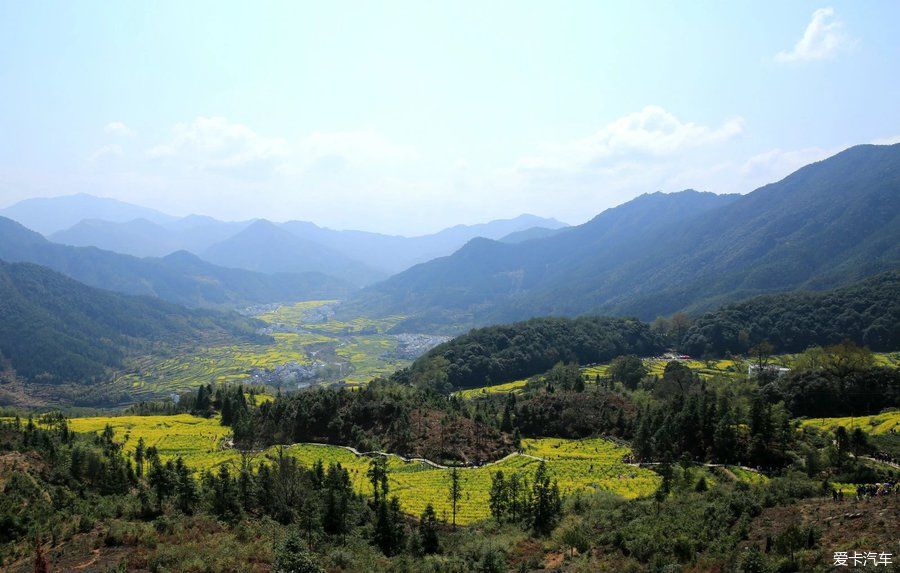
425, 461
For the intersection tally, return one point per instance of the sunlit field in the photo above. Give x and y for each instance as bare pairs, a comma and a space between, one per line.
878, 424
578, 465
358, 349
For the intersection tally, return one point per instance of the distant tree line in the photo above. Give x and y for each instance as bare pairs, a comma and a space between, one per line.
504, 353
866, 313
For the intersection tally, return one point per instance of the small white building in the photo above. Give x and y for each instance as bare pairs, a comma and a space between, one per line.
779, 371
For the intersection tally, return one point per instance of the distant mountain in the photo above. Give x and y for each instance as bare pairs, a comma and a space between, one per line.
48, 215
358, 256
826, 225
143, 238
56, 330
529, 234
139, 237
265, 247
393, 253
181, 277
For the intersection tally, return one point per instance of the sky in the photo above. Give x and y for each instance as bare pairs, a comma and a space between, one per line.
407, 117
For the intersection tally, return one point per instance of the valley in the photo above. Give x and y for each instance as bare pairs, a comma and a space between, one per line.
309, 348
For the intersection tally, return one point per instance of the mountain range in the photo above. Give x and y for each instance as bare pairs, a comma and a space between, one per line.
825, 225
180, 277
48, 215
360, 257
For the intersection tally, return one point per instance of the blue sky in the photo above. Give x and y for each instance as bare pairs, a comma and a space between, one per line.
408, 117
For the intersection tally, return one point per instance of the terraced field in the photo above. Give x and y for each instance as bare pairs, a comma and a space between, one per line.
200, 441
878, 424
508, 388
578, 465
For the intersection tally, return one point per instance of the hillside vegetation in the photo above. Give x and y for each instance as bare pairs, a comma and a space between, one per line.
505, 353
867, 313
55, 330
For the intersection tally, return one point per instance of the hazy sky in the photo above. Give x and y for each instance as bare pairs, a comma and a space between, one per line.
408, 117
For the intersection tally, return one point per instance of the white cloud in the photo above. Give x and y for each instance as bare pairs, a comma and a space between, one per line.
824, 37
652, 131
360, 147
890, 140
106, 151
218, 144
119, 129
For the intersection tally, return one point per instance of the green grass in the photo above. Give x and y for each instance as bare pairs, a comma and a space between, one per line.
578, 465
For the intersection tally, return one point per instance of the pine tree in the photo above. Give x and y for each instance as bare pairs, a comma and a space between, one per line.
499, 497
455, 492
546, 501
428, 535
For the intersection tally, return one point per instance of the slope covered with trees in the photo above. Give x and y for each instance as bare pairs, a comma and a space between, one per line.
503, 353
867, 313
56, 330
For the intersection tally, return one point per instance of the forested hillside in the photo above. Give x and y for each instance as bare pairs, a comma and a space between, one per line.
180, 278
56, 330
826, 225
503, 353
867, 313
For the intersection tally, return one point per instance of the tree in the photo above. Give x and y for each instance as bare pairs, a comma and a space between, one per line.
428, 535
455, 493
628, 370
499, 496
292, 557
389, 531
841, 446
679, 325
761, 354
859, 442
842, 359
509, 408
139, 451
546, 502
378, 477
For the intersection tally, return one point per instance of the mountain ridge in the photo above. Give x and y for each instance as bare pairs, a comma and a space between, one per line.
823, 226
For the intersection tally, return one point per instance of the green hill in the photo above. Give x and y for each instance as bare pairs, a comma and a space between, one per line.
56, 330
503, 353
867, 313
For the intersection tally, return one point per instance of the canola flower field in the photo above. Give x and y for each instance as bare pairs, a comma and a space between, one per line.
577, 465
876, 425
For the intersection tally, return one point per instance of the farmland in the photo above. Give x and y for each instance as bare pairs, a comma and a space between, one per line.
578, 465
708, 369
878, 424
883, 429
304, 335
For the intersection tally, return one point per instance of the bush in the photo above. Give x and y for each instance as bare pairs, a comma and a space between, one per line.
291, 556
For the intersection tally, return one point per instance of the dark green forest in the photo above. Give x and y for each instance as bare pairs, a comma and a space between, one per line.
867, 313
